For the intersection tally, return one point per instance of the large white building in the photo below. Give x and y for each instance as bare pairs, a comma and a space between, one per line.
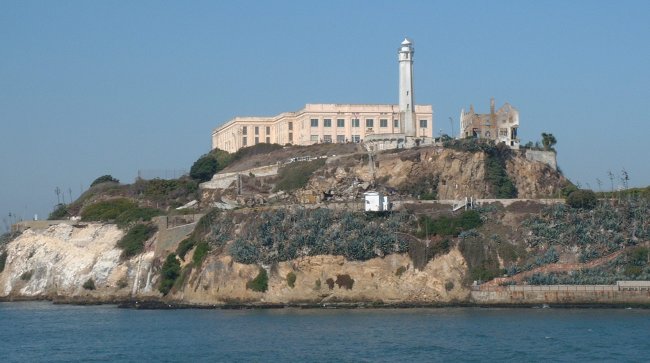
394, 124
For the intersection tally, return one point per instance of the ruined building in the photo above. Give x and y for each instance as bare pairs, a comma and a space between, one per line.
500, 125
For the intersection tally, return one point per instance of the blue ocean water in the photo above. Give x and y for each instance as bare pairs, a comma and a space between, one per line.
40, 331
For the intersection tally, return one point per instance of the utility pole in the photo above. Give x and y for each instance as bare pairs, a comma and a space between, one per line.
451, 122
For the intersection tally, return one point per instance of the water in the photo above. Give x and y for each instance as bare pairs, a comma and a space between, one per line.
40, 331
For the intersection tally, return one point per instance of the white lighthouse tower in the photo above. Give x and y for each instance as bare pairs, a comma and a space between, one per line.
406, 98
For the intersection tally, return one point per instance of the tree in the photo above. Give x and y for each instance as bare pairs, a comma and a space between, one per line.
548, 140
204, 168
103, 179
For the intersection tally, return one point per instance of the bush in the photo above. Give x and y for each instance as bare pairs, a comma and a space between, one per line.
296, 175
344, 281
171, 269
133, 241
121, 211
260, 283
204, 168
400, 270
3, 260
202, 249
59, 212
449, 286
291, 279
104, 179
184, 247
89, 284
582, 199
26, 276
261, 148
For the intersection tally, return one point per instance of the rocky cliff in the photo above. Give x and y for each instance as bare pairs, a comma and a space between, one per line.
57, 263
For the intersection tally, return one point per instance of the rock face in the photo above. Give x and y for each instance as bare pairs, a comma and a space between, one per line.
323, 279
56, 262
59, 260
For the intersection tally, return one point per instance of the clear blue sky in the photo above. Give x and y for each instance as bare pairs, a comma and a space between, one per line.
109, 87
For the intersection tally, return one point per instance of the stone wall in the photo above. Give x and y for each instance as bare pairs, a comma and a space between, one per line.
558, 294
546, 157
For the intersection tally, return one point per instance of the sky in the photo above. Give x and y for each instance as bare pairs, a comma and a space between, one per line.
89, 88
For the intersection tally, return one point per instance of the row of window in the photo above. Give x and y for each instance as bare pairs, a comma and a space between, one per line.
355, 122
256, 129
339, 138
244, 140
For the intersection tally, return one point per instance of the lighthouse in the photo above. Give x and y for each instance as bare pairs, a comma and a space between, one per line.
406, 97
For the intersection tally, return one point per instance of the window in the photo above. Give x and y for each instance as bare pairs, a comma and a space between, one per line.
257, 140
268, 130
340, 122
244, 130
340, 139
291, 137
257, 130
355, 122
503, 132
243, 141
327, 138
268, 140
395, 123
356, 138
314, 122
290, 126
314, 138
369, 122
327, 122
423, 123
383, 122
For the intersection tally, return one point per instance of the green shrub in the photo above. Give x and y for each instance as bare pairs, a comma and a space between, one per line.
133, 241
495, 172
3, 260
400, 270
59, 212
26, 276
204, 168
291, 279
104, 179
317, 284
165, 190
184, 247
171, 269
202, 249
260, 283
89, 284
582, 199
421, 252
449, 286
296, 175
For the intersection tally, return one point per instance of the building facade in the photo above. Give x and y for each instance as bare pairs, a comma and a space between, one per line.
500, 125
325, 123
320, 123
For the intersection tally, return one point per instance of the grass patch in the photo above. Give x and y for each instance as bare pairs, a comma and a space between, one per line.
296, 175
122, 211
133, 241
260, 283
448, 225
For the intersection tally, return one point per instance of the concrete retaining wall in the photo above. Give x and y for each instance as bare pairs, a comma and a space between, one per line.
546, 157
